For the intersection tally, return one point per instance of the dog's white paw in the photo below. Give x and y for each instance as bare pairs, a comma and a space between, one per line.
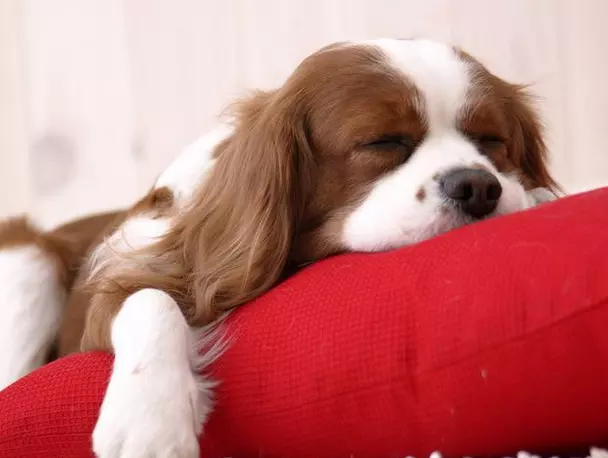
153, 412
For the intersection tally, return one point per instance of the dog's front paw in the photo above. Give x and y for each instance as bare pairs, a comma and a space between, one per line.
149, 413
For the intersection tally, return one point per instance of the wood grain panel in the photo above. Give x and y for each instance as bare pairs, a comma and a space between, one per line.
102, 94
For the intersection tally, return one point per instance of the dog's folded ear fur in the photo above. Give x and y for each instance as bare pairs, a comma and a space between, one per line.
538, 196
239, 230
528, 140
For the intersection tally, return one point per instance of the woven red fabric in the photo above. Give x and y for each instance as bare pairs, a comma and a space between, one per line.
484, 341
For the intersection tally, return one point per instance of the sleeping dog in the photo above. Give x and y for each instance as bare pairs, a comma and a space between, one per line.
367, 146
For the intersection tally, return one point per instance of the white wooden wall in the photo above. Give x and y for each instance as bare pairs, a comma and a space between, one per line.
97, 96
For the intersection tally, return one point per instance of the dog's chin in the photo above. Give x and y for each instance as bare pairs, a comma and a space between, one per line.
415, 226
450, 217
447, 217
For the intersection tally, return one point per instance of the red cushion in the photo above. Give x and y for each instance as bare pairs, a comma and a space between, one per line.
487, 340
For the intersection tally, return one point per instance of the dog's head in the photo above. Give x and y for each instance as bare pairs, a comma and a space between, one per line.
367, 146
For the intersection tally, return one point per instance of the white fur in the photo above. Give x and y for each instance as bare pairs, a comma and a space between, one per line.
153, 407
185, 174
594, 452
438, 73
31, 302
391, 216
119, 252
149, 412
539, 196
188, 170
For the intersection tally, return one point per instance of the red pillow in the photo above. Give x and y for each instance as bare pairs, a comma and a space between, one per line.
487, 340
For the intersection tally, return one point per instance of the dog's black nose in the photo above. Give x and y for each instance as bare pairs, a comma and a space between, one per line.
474, 191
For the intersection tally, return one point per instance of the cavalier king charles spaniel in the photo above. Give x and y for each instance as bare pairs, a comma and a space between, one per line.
367, 146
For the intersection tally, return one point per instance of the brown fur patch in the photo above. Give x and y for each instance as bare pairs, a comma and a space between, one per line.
421, 194
504, 111
15, 232
82, 236
73, 332
66, 246
478, 166
157, 201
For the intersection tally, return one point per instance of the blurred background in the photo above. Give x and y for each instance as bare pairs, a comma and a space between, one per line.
97, 96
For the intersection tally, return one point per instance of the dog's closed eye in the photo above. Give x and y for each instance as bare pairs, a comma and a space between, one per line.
402, 144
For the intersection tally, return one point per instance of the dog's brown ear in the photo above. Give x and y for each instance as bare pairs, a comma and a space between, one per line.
232, 243
529, 150
239, 232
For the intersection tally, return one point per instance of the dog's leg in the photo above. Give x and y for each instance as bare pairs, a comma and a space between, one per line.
152, 407
32, 297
